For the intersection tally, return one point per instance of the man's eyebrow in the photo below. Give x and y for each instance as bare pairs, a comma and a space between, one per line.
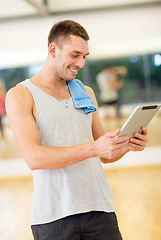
87, 54
78, 52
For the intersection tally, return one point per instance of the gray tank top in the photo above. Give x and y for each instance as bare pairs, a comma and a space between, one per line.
78, 188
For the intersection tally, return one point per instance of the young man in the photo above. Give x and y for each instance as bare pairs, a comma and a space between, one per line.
63, 145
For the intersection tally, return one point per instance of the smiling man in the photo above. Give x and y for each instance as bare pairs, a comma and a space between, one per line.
64, 146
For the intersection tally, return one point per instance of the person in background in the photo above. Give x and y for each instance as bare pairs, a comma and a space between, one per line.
56, 122
120, 72
110, 83
2, 106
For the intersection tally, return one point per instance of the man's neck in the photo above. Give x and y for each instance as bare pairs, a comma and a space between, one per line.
57, 88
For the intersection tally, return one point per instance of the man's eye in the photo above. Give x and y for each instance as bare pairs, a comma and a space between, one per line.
74, 56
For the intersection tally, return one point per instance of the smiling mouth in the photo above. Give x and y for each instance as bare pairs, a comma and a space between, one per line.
73, 70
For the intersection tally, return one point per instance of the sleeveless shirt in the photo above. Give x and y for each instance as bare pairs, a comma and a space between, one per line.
79, 188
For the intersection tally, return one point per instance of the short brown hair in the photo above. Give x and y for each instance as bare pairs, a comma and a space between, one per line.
66, 28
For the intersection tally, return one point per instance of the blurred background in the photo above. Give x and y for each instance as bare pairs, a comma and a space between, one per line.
125, 35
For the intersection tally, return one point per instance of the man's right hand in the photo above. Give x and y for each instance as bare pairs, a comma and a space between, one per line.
110, 147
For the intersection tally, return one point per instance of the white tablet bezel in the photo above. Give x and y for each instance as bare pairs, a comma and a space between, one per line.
140, 117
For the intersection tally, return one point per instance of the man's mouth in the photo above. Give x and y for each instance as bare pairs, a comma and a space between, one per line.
74, 70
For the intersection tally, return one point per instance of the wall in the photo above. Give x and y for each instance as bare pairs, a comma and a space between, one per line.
113, 33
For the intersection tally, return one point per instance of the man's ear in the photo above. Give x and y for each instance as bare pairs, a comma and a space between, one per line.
52, 48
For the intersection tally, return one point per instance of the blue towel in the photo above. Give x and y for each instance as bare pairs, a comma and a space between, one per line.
80, 96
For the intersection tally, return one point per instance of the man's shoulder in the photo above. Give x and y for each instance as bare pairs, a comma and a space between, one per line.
17, 90
89, 89
18, 94
18, 101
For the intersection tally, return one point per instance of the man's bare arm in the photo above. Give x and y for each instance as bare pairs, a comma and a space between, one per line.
109, 138
19, 107
116, 149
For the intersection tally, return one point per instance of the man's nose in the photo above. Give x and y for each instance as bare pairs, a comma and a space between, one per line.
80, 63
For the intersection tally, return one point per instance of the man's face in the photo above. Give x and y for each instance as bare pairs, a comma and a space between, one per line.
70, 57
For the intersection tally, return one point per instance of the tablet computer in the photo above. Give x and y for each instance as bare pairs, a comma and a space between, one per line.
139, 118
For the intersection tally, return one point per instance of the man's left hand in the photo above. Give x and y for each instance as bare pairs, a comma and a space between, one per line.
139, 141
